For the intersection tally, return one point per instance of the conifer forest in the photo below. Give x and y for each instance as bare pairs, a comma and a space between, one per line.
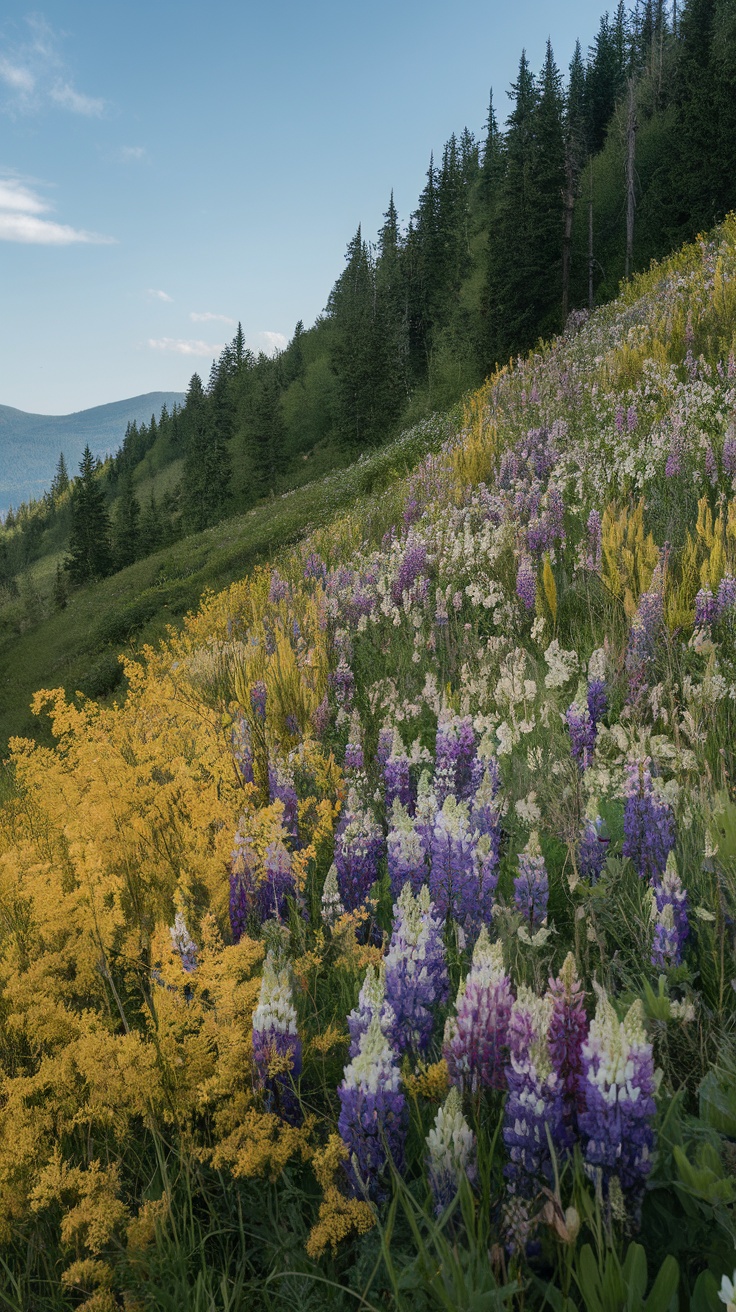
368, 921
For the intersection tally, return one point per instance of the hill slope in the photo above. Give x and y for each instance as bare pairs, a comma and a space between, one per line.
416, 847
30, 444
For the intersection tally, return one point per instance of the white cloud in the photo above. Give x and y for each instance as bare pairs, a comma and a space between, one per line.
273, 342
18, 78
133, 152
34, 74
20, 209
208, 317
180, 346
157, 295
64, 94
15, 195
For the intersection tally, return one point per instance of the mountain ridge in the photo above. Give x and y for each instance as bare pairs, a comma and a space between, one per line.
30, 443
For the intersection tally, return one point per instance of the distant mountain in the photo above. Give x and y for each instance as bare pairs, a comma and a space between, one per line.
30, 444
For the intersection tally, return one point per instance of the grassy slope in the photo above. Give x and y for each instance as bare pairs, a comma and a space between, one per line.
77, 648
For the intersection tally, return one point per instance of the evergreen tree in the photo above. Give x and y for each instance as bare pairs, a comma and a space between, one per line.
90, 551
61, 479
150, 528
207, 467
574, 158
511, 256
61, 590
126, 543
548, 188
267, 428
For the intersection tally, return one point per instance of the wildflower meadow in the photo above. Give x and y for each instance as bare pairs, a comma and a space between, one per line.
378, 950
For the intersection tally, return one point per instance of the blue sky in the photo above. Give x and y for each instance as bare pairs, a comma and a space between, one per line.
169, 168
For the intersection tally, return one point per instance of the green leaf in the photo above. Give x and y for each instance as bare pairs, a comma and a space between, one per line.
635, 1275
665, 1286
705, 1294
588, 1280
717, 1097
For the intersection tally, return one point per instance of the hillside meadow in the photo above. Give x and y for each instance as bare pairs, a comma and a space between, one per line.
377, 947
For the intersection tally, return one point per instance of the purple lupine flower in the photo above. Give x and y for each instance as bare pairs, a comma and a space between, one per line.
706, 608
531, 885
631, 418
243, 881
413, 564
353, 757
343, 683
456, 770
183, 943
597, 701
372, 1121
385, 746
370, 1003
358, 850
651, 614
332, 908
396, 775
619, 420
649, 829
476, 1037
453, 877
526, 584
582, 733
242, 749
595, 541
314, 567
407, 852
321, 718
278, 588
534, 1103
729, 455
277, 1048
451, 1155
672, 926
673, 466
711, 466
637, 656
281, 789
277, 884
258, 695
568, 1029
411, 513
616, 1129
592, 850
726, 596
416, 972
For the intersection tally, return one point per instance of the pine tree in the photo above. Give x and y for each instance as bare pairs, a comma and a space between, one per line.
90, 551
126, 543
207, 467
61, 590
575, 152
61, 479
267, 428
512, 265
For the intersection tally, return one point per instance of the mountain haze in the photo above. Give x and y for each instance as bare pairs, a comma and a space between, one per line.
30, 444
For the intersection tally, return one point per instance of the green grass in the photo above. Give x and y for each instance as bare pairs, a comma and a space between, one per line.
78, 648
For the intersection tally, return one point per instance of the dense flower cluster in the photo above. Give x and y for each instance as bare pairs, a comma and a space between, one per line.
531, 885
476, 1036
649, 831
451, 1155
372, 1121
416, 973
671, 927
616, 1124
277, 1049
